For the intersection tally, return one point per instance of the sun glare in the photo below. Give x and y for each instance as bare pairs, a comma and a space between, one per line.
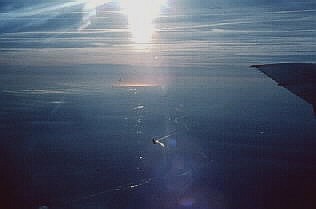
141, 15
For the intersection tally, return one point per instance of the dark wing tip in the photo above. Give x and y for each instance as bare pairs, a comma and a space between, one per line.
256, 66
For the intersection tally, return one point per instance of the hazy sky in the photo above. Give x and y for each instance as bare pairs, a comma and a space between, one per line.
159, 33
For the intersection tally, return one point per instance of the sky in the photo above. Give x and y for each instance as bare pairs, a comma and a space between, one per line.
162, 33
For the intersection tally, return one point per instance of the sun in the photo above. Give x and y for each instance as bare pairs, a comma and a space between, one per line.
141, 15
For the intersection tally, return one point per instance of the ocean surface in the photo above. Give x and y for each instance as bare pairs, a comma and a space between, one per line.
79, 138
77, 132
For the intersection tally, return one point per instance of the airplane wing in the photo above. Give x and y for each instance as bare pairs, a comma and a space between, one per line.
298, 78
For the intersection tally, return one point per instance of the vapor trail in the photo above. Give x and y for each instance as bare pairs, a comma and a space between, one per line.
44, 12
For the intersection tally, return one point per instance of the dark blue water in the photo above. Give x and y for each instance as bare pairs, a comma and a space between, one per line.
75, 138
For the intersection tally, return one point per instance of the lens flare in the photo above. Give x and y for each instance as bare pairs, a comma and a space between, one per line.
141, 15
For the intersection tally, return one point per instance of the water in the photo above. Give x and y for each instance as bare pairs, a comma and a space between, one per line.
73, 140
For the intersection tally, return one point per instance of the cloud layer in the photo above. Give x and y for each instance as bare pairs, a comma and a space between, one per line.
96, 32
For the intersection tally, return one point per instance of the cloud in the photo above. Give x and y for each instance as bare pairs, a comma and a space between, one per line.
90, 10
82, 32
25, 15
